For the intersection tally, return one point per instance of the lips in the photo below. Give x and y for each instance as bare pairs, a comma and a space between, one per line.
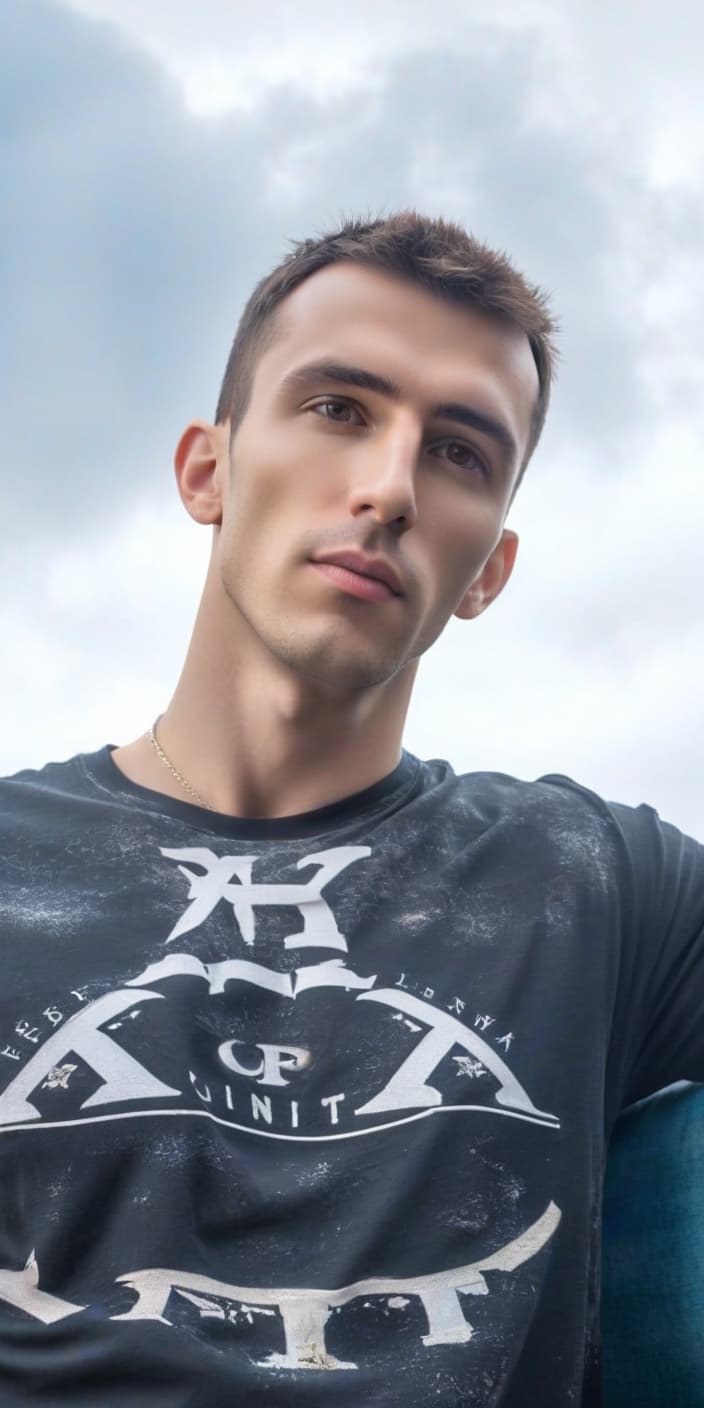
375, 568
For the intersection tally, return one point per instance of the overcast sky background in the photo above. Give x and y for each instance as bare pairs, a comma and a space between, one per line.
156, 156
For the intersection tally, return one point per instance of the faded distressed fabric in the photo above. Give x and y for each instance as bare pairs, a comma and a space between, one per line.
314, 1111
653, 1281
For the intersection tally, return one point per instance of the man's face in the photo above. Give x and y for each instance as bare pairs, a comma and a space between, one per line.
321, 467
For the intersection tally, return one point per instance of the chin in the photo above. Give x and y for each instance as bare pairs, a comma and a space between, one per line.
334, 668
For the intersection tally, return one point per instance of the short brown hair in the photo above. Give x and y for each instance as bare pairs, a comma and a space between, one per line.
438, 254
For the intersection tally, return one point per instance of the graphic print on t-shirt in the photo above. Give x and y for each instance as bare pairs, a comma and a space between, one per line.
288, 1040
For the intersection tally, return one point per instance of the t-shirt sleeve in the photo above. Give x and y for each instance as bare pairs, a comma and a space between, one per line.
660, 1007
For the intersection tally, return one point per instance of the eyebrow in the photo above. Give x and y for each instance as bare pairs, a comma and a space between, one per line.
345, 375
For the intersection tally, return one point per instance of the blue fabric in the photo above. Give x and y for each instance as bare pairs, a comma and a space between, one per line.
653, 1267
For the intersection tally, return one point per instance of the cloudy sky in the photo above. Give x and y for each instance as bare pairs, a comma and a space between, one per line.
156, 156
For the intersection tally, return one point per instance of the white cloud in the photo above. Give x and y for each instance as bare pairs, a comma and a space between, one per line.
228, 55
97, 649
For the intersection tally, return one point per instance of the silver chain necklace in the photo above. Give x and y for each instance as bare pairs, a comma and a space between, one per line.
174, 771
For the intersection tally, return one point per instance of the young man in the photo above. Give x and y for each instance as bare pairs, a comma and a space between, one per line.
311, 1050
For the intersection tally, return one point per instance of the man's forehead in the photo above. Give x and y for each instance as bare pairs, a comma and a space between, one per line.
345, 300
363, 291
354, 314
349, 280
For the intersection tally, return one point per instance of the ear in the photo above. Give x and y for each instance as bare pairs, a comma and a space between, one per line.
492, 579
201, 463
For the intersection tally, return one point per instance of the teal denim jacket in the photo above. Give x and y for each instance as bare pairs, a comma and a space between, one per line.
653, 1254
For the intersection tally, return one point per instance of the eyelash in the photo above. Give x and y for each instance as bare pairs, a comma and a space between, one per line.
349, 405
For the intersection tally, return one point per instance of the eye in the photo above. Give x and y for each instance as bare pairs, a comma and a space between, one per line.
465, 457
337, 405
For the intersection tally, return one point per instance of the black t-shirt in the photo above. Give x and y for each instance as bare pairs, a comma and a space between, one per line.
313, 1111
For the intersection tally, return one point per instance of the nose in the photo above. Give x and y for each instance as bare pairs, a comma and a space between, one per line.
384, 485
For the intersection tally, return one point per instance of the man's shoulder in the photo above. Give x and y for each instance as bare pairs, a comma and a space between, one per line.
555, 819
551, 796
31, 788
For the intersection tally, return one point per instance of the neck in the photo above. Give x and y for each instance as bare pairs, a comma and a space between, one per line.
256, 740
